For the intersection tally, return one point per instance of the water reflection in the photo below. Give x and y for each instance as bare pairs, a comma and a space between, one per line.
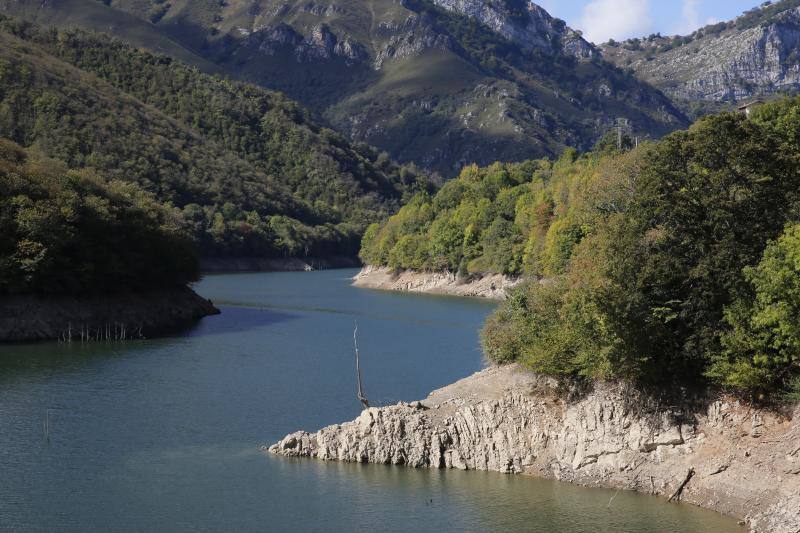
163, 434
239, 319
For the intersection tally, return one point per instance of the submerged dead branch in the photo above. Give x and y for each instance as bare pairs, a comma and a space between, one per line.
360, 391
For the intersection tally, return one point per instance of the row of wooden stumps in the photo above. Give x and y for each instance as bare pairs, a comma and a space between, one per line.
117, 331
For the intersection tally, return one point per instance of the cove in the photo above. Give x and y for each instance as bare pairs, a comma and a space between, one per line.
164, 434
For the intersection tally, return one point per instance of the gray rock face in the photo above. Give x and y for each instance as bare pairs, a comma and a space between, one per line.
493, 286
531, 26
505, 433
415, 36
320, 44
731, 66
508, 420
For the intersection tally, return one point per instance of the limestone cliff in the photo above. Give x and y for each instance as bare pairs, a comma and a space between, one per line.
756, 55
524, 23
745, 462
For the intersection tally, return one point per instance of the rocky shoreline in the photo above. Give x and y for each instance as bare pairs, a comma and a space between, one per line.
281, 264
111, 317
718, 453
491, 286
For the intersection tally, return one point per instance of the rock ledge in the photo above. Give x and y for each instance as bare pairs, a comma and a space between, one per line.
491, 286
746, 460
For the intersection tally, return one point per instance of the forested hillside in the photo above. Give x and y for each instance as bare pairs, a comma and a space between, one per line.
75, 232
671, 263
435, 82
249, 171
508, 218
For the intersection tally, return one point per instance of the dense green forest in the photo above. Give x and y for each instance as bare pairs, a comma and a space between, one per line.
75, 232
250, 171
508, 218
673, 263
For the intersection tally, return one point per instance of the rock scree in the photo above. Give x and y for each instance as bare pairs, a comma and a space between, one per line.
743, 461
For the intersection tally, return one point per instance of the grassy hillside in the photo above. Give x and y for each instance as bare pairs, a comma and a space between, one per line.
428, 85
97, 15
249, 170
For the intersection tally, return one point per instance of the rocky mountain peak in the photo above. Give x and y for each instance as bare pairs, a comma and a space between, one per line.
755, 55
523, 22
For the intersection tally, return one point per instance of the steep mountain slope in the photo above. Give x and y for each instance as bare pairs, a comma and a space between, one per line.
96, 16
756, 55
442, 83
250, 172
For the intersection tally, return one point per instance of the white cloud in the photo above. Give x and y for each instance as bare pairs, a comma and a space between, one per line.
690, 16
691, 19
615, 19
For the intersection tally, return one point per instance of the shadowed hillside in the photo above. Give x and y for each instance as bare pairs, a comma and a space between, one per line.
251, 173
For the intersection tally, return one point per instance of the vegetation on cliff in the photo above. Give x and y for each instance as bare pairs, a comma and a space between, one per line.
671, 263
752, 56
692, 274
250, 171
73, 232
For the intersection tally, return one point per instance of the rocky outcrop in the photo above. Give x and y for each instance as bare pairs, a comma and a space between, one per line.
415, 36
110, 317
320, 44
736, 64
745, 461
524, 23
493, 286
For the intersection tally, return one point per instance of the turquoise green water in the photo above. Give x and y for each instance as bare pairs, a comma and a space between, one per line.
163, 435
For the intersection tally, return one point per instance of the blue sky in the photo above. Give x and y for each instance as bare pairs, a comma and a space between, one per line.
619, 19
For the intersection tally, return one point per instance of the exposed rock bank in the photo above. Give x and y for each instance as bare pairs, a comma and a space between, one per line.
287, 264
114, 317
493, 286
745, 461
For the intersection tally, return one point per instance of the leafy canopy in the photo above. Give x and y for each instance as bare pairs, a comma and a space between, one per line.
668, 264
73, 232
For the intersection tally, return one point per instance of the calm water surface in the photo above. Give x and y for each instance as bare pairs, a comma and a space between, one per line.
163, 435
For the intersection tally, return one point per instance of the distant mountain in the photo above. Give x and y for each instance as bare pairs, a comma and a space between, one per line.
249, 171
441, 83
758, 54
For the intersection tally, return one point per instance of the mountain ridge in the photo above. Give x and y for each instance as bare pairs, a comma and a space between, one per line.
754, 56
440, 83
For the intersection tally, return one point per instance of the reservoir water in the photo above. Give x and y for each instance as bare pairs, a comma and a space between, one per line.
164, 435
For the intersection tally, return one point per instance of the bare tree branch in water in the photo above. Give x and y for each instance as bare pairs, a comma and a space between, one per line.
679, 490
360, 393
